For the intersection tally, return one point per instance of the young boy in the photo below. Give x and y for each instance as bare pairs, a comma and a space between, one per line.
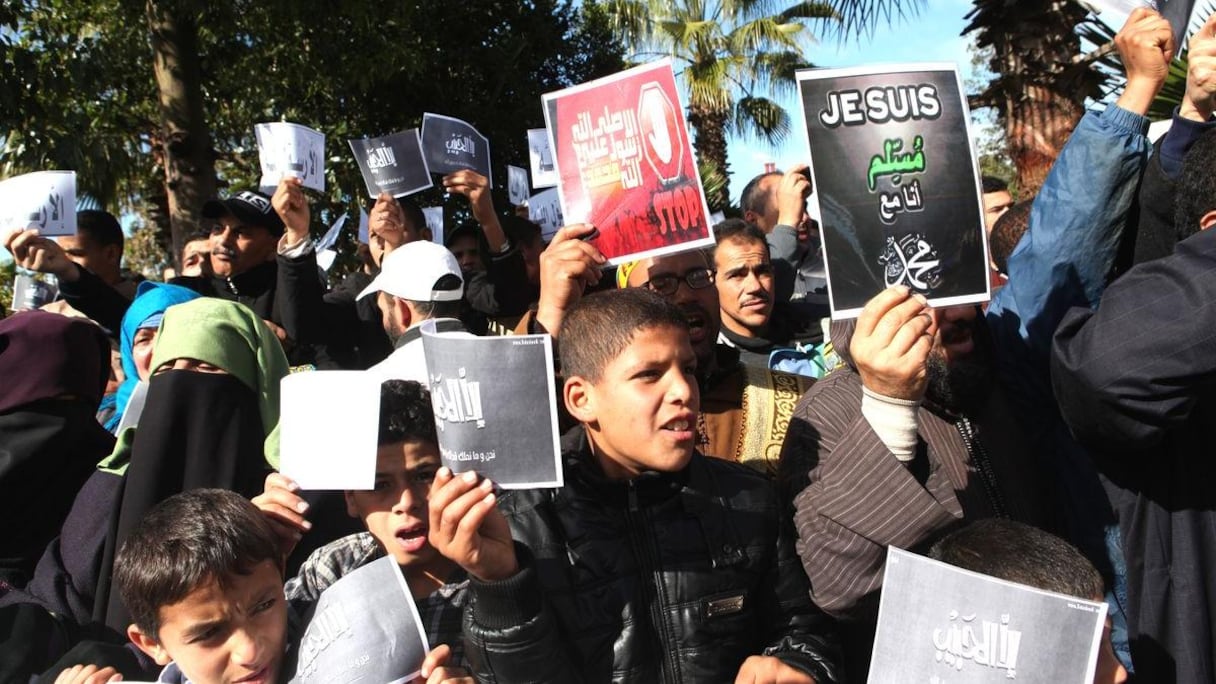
202, 579
1017, 552
653, 562
395, 514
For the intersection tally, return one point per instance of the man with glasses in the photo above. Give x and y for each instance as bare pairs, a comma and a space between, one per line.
744, 409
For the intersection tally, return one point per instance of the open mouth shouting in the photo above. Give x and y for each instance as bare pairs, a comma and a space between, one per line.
412, 537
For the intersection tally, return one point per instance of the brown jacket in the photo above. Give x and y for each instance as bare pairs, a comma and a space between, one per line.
853, 498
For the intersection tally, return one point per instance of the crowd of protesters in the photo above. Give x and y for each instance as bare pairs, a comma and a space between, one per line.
736, 465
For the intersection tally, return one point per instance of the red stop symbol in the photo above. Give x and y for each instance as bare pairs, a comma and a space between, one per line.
659, 123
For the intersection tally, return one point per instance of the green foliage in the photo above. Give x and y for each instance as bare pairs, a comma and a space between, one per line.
77, 88
8, 272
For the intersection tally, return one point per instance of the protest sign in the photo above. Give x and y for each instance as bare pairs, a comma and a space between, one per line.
364, 628
896, 184
495, 406
45, 200
330, 238
434, 221
325, 259
364, 236
288, 149
540, 158
545, 210
626, 165
134, 408
451, 145
517, 185
939, 623
30, 291
392, 163
328, 422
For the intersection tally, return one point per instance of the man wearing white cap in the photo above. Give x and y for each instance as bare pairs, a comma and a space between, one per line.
418, 281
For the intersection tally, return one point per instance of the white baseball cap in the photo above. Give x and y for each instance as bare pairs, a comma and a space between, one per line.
411, 271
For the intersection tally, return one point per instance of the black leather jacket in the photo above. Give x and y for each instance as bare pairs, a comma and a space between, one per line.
668, 578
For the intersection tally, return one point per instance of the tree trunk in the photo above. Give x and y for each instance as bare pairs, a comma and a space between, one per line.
189, 160
1039, 92
709, 142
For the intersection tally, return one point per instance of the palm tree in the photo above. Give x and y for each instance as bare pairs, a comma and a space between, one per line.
733, 56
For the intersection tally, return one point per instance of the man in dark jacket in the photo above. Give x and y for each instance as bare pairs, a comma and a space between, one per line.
1135, 382
244, 238
653, 563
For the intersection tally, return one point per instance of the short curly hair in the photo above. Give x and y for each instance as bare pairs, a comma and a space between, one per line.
406, 413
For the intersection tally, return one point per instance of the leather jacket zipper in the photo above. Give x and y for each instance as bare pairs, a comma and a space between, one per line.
639, 525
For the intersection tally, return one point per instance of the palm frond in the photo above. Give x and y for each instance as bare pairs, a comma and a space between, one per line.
762, 119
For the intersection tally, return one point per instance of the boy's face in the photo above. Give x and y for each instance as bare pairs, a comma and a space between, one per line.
219, 635
642, 413
395, 512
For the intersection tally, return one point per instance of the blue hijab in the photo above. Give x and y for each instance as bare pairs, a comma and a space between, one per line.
151, 300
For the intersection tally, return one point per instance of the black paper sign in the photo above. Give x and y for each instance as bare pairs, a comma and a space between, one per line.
897, 186
452, 145
496, 407
393, 163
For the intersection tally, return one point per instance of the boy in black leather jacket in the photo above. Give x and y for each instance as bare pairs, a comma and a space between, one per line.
653, 563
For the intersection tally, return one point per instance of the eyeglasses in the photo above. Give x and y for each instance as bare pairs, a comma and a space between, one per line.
667, 283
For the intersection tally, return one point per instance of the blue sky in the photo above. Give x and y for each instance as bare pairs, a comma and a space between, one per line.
930, 36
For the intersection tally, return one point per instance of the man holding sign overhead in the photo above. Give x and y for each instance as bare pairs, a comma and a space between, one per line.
944, 415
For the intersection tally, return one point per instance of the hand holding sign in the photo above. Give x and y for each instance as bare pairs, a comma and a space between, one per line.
891, 344
386, 227
795, 187
33, 252
466, 526
284, 509
568, 266
292, 206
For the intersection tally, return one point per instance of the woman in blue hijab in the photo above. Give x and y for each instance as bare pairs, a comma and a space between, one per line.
139, 327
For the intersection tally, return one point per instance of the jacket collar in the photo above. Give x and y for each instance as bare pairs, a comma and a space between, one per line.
442, 325
251, 283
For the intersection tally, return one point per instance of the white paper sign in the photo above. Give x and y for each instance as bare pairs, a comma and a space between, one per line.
330, 238
544, 171
939, 623
545, 209
434, 221
364, 628
325, 259
716, 218
45, 200
517, 185
328, 425
287, 149
364, 236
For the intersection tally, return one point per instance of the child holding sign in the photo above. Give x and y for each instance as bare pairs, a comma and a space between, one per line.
653, 562
395, 514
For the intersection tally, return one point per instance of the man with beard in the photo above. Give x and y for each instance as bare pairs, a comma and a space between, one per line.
419, 281
744, 409
942, 417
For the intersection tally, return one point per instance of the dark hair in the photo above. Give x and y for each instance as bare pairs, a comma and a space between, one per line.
520, 231
194, 236
1020, 553
993, 184
406, 413
753, 197
1196, 193
413, 214
739, 230
602, 325
446, 309
185, 541
101, 227
1007, 232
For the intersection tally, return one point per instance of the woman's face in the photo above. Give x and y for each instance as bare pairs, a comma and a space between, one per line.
141, 351
191, 365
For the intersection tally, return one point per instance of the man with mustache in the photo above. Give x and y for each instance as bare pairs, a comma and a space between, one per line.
751, 320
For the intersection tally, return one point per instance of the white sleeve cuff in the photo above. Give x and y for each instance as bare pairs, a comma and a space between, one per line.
299, 249
893, 420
